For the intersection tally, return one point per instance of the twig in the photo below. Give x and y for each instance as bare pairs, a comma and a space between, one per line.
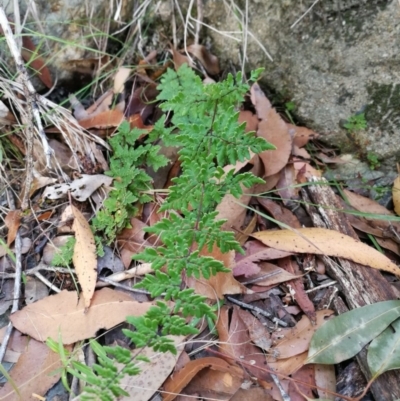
261, 278
47, 282
278, 384
124, 287
246, 28
17, 290
321, 286
258, 310
199, 20
299, 19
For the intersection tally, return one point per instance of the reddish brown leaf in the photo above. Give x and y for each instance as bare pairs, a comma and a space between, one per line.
366, 205
209, 61
235, 342
301, 135
132, 241
106, 119
179, 59
250, 119
274, 130
286, 186
304, 375
257, 331
222, 283
279, 212
270, 275
255, 252
36, 371
176, 383
12, 221
260, 101
35, 61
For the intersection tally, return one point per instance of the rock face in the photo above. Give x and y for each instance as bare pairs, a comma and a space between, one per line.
340, 59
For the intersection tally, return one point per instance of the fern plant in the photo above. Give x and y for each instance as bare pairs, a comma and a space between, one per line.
203, 124
130, 180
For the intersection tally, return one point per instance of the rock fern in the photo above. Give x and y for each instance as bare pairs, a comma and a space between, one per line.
202, 121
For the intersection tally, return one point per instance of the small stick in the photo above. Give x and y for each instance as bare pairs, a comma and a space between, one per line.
258, 310
17, 290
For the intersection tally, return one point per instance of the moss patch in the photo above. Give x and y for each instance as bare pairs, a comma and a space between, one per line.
383, 109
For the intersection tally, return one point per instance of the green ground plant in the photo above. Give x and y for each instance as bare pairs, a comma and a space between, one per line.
202, 121
356, 122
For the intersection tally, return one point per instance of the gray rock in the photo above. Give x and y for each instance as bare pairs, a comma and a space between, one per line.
342, 58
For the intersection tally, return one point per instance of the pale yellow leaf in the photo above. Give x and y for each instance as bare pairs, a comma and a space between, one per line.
84, 258
322, 241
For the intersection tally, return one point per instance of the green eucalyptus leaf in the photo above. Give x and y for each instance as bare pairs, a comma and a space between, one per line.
344, 336
384, 351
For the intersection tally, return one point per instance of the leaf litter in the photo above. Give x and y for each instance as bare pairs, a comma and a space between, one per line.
248, 344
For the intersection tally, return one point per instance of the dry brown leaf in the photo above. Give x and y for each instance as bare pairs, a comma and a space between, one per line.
257, 331
152, 374
252, 394
270, 182
179, 59
366, 205
296, 340
36, 62
235, 342
260, 101
231, 208
176, 383
132, 241
243, 235
12, 221
279, 212
36, 371
106, 119
274, 130
209, 61
299, 391
301, 135
250, 119
389, 244
287, 185
210, 384
396, 195
325, 378
222, 283
63, 313
84, 257
290, 365
273, 275
322, 241
255, 252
